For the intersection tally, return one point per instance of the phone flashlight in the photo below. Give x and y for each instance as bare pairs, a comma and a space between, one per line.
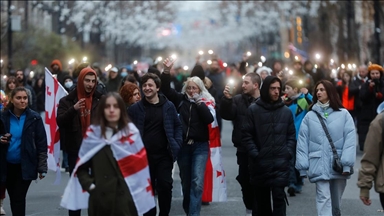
231, 84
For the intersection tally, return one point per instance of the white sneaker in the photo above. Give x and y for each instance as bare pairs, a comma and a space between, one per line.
2, 212
248, 212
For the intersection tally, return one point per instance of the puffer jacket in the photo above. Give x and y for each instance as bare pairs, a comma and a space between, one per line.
372, 162
314, 153
269, 135
33, 146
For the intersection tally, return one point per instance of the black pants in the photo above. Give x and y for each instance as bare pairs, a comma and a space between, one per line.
160, 168
17, 189
382, 199
244, 180
72, 158
263, 198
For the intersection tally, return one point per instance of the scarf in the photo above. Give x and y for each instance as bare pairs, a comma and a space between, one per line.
85, 113
323, 106
131, 157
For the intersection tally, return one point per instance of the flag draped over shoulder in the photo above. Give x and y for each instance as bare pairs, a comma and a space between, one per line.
129, 152
215, 186
53, 93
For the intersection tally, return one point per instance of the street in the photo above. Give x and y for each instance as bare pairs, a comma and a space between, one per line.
43, 197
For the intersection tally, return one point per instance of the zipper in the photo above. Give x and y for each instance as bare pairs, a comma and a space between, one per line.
189, 121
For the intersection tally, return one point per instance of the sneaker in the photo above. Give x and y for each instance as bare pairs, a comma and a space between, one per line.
291, 191
248, 212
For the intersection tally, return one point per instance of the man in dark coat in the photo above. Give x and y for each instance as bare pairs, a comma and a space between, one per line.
73, 116
160, 127
235, 107
57, 69
22, 82
269, 135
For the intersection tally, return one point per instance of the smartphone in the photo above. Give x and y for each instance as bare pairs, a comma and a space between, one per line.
231, 84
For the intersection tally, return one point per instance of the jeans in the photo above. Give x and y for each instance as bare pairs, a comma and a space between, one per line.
160, 168
263, 198
244, 180
328, 196
65, 160
17, 189
295, 181
192, 162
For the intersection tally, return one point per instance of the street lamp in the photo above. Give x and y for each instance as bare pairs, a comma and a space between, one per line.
201, 52
210, 52
317, 56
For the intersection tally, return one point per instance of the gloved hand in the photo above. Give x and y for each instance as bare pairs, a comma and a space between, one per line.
197, 98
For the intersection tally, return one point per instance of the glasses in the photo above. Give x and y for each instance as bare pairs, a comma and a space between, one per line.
192, 88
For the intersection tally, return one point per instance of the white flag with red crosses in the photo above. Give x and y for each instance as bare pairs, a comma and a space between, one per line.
53, 93
215, 186
129, 152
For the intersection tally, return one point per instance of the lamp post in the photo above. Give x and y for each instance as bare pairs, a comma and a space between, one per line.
9, 37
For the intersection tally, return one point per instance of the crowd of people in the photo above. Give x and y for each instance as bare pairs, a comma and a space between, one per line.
287, 126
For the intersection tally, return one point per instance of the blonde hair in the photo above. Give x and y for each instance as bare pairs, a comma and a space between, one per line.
203, 91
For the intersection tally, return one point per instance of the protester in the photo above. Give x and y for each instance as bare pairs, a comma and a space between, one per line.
74, 115
22, 82
347, 92
235, 107
269, 136
298, 99
114, 80
102, 168
156, 118
23, 149
9, 86
264, 72
316, 153
39, 89
371, 94
2, 166
372, 162
57, 69
130, 93
195, 117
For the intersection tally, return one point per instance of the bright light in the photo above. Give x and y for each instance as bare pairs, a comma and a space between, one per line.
286, 69
354, 66
1, 61
290, 72
332, 61
260, 64
201, 52
317, 56
286, 55
246, 64
342, 66
334, 71
71, 61
300, 82
296, 58
209, 62
243, 77
135, 62
263, 59
5, 77
185, 67
85, 59
166, 32
174, 56
249, 53
349, 66
231, 81
31, 74
210, 52
108, 67
316, 66
225, 64
159, 58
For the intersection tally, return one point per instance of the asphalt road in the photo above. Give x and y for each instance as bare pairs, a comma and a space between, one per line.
43, 197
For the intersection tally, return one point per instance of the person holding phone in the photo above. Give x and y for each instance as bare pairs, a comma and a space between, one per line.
23, 151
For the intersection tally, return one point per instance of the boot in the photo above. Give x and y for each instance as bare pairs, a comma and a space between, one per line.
2, 212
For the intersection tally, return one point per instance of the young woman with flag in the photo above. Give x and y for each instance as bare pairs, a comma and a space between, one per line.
112, 166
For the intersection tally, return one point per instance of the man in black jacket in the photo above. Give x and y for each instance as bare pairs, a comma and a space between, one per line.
73, 116
235, 108
270, 137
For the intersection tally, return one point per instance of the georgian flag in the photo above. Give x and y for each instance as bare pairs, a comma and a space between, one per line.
53, 93
129, 152
215, 186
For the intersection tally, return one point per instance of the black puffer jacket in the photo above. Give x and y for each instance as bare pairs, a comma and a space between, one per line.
235, 109
269, 135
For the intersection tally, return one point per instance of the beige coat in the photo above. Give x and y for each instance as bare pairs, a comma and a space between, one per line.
372, 162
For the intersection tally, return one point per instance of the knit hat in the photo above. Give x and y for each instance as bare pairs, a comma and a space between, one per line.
198, 71
58, 63
375, 67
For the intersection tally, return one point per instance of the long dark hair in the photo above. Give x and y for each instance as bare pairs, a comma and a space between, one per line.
334, 99
10, 105
100, 119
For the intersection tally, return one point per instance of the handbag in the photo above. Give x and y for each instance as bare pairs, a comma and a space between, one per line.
336, 165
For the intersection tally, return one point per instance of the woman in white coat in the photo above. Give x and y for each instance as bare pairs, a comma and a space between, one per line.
314, 155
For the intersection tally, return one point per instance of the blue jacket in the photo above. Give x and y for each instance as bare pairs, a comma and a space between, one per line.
33, 146
299, 108
314, 153
172, 124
